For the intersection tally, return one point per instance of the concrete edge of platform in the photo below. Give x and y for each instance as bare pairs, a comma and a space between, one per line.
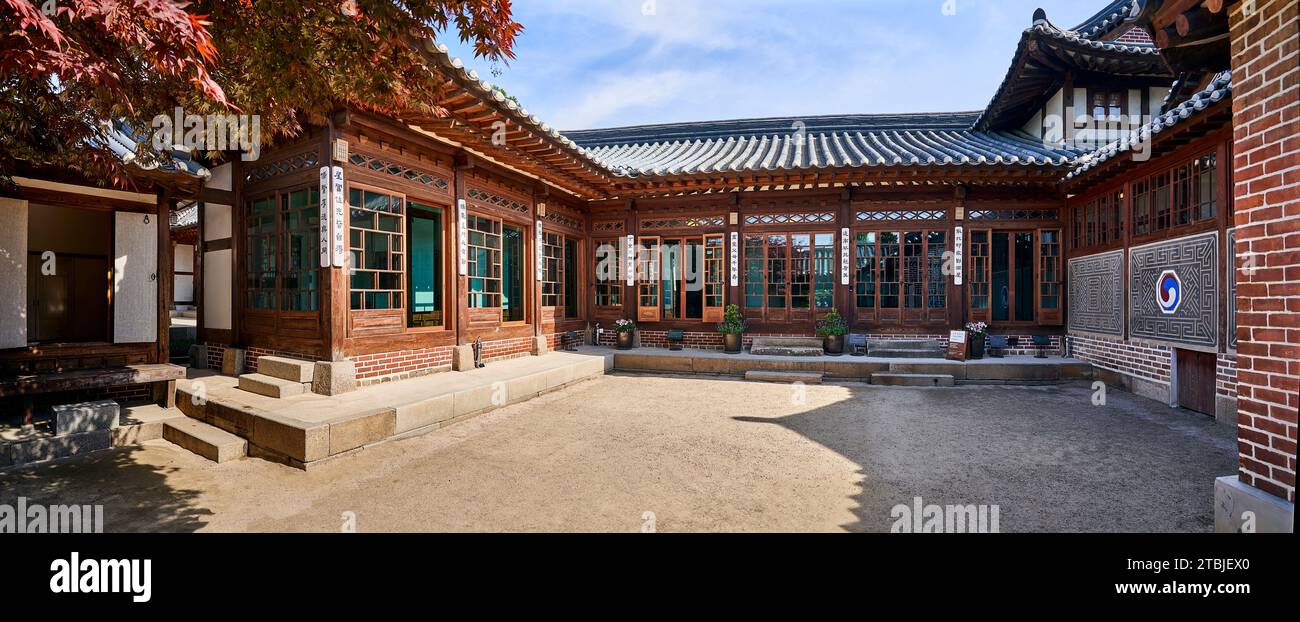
301, 444
137, 424
855, 369
1233, 499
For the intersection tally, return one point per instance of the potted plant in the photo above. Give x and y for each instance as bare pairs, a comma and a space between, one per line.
732, 329
977, 333
625, 330
832, 330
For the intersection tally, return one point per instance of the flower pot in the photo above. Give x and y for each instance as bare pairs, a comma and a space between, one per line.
732, 343
977, 346
834, 344
625, 341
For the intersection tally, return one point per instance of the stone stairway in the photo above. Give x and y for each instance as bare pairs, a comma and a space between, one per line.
905, 349
279, 377
904, 379
208, 441
787, 346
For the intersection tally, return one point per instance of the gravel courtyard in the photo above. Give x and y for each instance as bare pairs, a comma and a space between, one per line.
623, 453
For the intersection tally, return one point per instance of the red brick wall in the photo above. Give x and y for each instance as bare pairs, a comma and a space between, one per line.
1266, 118
1123, 356
713, 341
389, 366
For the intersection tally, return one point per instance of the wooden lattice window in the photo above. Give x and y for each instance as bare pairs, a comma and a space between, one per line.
608, 269
1049, 276
648, 281
864, 254
262, 269
377, 242
484, 241
553, 270
979, 260
715, 262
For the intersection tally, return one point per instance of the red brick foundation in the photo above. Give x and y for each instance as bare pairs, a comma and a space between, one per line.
1266, 135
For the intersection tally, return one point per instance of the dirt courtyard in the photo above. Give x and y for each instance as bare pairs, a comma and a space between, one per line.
627, 453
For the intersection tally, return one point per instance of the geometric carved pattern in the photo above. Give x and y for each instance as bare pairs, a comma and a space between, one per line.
1097, 294
287, 165
1014, 214
904, 215
1194, 320
608, 226
683, 223
786, 219
1231, 249
563, 219
398, 170
497, 200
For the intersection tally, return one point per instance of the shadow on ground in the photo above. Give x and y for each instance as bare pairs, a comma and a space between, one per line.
135, 494
1050, 459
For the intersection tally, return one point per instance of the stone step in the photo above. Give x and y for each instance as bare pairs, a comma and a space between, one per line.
891, 353
789, 342
292, 370
211, 443
263, 384
904, 344
894, 379
786, 351
805, 377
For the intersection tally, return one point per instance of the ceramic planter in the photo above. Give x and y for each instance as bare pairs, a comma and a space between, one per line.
732, 343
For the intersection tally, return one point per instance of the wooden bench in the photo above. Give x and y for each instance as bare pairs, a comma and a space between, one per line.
162, 375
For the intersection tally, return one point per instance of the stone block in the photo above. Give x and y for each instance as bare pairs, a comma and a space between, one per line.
1232, 499
198, 356
292, 370
233, 361
789, 377
361, 431
54, 447
462, 358
334, 377
540, 345
86, 417
262, 384
424, 413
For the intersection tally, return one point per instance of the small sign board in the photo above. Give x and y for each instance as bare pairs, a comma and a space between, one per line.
339, 223
462, 230
735, 259
325, 218
957, 345
845, 263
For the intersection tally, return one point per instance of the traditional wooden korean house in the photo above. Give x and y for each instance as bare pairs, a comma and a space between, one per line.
87, 297
489, 227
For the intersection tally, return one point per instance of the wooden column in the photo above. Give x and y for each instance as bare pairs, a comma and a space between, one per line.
238, 233
735, 295
163, 272
629, 292
539, 214
958, 302
460, 295
844, 300
200, 333
335, 304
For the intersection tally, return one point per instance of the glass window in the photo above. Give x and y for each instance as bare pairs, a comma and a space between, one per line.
484, 240
262, 268
553, 270
937, 282
609, 259
301, 217
376, 238
512, 273
824, 270
755, 271
865, 270
425, 268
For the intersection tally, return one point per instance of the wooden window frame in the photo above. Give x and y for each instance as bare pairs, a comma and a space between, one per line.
613, 286
280, 253
401, 253
652, 289
563, 270
1049, 259
924, 259
446, 278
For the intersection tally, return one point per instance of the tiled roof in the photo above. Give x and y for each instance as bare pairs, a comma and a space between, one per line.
124, 143
872, 141
1107, 20
737, 128
185, 217
1219, 89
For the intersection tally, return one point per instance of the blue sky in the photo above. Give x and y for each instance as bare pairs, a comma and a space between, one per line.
607, 63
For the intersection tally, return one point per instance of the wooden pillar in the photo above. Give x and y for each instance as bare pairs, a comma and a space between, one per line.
539, 214
200, 334
735, 295
163, 271
460, 295
958, 302
238, 233
335, 304
630, 292
844, 300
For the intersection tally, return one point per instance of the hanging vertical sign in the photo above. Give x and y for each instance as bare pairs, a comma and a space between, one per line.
844, 256
735, 259
324, 218
462, 234
958, 243
541, 253
338, 224
630, 264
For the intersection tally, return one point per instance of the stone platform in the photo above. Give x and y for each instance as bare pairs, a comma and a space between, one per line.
1008, 370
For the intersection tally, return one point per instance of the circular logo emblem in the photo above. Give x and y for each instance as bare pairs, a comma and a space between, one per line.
1169, 292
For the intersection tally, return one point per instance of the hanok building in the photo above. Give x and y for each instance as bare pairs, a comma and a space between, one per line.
1090, 203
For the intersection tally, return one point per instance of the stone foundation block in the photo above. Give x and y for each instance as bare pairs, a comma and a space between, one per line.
334, 377
86, 417
1267, 514
233, 361
462, 358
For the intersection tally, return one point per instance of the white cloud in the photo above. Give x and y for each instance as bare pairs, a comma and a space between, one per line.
607, 97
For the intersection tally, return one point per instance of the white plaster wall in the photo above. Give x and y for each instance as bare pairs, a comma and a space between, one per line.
13, 273
217, 222
183, 285
183, 259
135, 278
1157, 99
1034, 127
1054, 119
217, 289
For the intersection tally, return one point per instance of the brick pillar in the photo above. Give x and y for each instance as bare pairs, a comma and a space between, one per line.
1266, 116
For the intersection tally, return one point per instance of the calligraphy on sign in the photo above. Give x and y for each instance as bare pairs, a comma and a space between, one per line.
630, 264
338, 225
541, 253
844, 256
324, 217
462, 231
735, 259
958, 243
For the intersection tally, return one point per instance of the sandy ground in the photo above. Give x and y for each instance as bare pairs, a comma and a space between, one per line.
688, 454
